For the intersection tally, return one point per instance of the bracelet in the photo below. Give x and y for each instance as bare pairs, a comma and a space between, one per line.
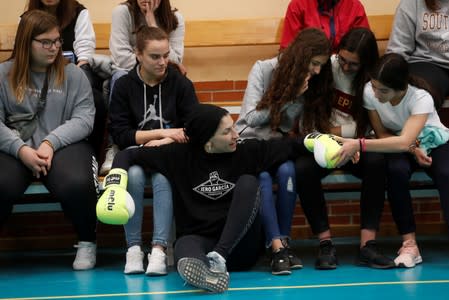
362, 145
412, 148
48, 143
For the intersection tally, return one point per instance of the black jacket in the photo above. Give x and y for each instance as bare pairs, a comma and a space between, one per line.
203, 183
128, 108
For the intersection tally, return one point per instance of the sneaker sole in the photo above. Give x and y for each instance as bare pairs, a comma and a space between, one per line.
83, 268
131, 272
284, 272
295, 267
153, 273
195, 272
375, 266
325, 267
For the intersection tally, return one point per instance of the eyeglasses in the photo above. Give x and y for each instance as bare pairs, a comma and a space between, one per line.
47, 44
351, 65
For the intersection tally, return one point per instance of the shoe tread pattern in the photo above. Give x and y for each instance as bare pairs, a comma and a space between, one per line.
196, 273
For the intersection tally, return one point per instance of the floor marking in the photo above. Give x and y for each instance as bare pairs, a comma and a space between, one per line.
236, 289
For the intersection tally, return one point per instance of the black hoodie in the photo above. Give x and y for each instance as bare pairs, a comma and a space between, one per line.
127, 113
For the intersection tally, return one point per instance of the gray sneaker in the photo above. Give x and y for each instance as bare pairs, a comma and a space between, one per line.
196, 272
217, 263
111, 151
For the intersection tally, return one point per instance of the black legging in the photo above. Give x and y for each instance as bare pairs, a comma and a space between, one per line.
72, 180
242, 231
371, 169
400, 167
97, 137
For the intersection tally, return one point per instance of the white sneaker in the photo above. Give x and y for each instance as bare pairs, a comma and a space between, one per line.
157, 263
134, 260
111, 151
86, 256
409, 255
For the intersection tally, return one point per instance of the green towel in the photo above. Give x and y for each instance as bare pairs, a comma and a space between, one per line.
432, 137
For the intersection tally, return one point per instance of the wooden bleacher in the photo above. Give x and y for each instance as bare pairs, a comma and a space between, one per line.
221, 35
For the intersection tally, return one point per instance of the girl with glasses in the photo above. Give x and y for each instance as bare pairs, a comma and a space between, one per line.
356, 56
38, 82
78, 45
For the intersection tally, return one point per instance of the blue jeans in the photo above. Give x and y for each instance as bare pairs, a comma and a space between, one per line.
277, 214
117, 74
162, 207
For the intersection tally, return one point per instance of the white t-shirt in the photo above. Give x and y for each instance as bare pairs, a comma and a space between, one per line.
345, 98
416, 101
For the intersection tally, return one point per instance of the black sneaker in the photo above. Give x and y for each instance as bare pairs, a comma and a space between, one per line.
327, 256
295, 262
371, 256
280, 263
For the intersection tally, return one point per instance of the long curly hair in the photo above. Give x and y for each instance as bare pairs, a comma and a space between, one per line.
164, 14
289, 76
362, 42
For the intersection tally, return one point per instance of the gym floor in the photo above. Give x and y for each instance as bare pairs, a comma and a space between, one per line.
48, 275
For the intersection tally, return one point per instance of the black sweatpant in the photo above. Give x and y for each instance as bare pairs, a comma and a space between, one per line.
435, 76
72, 180
400, 167
241, 240
370, 169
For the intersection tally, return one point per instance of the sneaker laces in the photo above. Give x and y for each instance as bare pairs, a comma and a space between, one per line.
372, 245
326, 247
85, 255
280, 255
409, 247
111, 152
217, 263
157, 256
134, 254
85, 250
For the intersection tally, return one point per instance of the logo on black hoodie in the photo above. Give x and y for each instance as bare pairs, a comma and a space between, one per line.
214, 188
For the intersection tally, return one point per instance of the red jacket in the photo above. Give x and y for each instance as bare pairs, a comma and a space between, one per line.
300, 14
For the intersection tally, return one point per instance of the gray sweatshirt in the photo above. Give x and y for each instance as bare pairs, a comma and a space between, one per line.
420, 34
256, 124
68, 115
122, 41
